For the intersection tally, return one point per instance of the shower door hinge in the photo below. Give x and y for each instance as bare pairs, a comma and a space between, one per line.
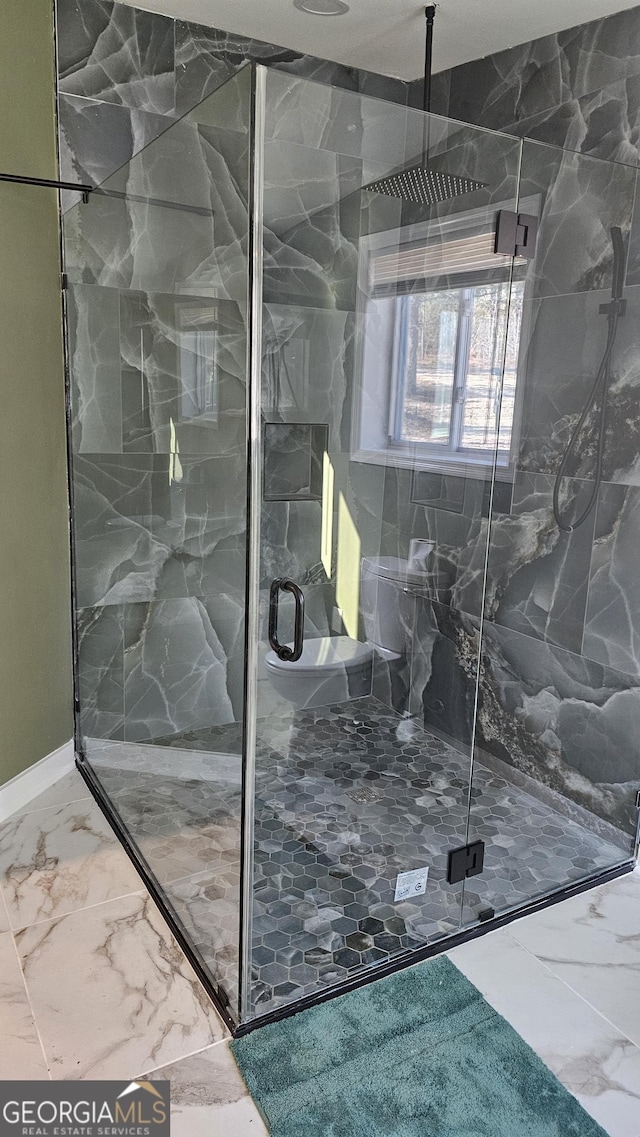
516, 234
64, 281
464, 862
637, 799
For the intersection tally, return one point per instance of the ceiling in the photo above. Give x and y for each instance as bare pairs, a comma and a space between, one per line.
388, 35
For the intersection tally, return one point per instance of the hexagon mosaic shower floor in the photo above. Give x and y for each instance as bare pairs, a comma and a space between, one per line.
347, 797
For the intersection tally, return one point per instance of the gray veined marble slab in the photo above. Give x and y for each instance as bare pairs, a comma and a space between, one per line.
444, 665
563, 720
324, 117
94, 369
100, 670
510, 85
135, 358
537, 575
141, 1003
291, 541
21, 1055
116, 53
127, 236
552, 72
612, 626
301, 182
315, 263
175, 670
154, 526
209, 1097
97, 138
205, 57
565, 342
150, 670
306, 354
601, 124
183, 375
581, 198
594, 1060
60, 859
592, 943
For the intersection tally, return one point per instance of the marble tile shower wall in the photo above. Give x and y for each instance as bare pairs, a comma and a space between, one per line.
123, 71
159, 499
560, 674
159, 471
160, 558
578, 88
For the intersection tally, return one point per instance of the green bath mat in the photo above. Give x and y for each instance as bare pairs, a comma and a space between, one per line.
418, 1054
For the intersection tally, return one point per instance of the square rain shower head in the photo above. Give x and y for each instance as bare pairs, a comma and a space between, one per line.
423, 186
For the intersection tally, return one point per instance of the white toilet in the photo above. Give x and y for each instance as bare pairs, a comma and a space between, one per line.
333, 669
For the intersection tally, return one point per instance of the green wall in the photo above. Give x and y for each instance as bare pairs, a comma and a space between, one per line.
35, 650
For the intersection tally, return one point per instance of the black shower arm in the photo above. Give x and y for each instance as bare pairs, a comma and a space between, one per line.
430, 13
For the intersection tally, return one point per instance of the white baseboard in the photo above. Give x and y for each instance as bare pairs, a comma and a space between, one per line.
22, 789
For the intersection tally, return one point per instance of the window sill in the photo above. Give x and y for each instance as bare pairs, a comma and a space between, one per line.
462, 467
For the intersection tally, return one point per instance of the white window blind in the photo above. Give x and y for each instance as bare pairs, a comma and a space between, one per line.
459, 256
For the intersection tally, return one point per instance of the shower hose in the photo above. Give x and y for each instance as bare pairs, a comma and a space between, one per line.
613, 311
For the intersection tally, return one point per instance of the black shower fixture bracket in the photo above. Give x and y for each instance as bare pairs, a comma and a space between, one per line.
50, 183
430, 15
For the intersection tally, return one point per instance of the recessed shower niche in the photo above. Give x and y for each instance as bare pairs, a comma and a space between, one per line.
278, 374
293, 460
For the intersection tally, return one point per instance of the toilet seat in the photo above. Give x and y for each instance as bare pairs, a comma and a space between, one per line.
324, 655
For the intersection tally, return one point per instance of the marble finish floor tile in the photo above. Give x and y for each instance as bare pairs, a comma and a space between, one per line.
209, 1097
70, 787
59, 859
4, 919
112, 992
21, 1054
596, 1062
208, 904
182, 825
592, 943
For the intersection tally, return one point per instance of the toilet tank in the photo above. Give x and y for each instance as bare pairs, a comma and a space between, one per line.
385, 582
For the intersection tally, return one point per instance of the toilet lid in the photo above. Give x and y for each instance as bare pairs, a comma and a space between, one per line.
324, 654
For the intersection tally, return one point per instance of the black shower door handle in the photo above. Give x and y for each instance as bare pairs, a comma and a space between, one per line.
283, 584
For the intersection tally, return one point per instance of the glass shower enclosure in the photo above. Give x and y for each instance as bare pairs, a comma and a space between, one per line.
326, 627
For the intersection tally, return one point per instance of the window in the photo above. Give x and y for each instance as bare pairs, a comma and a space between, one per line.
449, 374
441, 324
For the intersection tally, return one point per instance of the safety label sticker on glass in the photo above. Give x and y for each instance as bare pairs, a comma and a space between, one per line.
412, 883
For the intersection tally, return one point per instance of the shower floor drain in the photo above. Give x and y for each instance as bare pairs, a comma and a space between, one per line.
365, 794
